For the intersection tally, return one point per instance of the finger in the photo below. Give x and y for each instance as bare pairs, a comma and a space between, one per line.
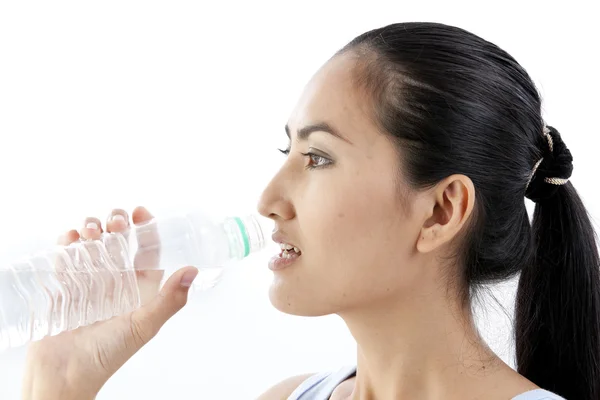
65, 239
117, 221
117, 246
89, 262
90, 247
122, 284
92, 229
147, 257
141, 215
147, 320
68, 238
71, 287
148, 254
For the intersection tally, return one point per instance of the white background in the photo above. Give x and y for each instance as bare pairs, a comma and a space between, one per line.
174, 104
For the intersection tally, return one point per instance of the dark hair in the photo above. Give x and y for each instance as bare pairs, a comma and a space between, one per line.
457, 104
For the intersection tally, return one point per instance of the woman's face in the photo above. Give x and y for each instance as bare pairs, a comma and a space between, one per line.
339, 199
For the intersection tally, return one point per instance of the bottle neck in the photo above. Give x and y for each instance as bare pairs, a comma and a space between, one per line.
245, 236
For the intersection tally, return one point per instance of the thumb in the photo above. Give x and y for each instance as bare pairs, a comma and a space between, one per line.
147, 320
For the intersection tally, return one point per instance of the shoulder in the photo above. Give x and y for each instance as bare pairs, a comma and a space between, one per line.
285, 388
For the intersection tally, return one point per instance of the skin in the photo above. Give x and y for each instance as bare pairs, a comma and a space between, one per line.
76, 364
374, 251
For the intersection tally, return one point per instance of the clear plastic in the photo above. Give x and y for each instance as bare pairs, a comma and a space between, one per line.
88, 281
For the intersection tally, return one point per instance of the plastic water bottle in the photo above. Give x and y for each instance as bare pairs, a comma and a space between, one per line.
93, 280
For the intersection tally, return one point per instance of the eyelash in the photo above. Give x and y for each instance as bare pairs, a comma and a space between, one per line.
312, 157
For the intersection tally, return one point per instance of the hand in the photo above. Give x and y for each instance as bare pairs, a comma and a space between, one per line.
76, 364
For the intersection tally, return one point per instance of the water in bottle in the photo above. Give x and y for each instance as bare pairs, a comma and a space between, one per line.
67, 287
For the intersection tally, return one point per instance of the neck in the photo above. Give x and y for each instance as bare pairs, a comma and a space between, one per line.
418, 347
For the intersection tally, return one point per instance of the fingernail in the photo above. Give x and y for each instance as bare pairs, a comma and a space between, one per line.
118, 217
188, 278
92, 225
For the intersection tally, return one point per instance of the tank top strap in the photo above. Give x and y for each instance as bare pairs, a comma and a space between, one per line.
321, 386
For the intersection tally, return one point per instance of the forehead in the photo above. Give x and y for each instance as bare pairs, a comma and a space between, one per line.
331, 96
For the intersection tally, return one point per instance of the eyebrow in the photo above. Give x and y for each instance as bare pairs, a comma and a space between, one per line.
306, 131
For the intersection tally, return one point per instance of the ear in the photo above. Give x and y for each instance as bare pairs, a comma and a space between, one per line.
452, 203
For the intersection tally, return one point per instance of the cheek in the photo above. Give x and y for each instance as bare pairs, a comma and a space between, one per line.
359, 236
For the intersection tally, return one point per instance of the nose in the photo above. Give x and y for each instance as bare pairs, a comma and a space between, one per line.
274, 202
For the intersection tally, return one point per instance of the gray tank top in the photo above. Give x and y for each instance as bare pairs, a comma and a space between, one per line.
321, 387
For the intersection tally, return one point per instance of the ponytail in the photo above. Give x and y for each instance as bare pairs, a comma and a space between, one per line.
558, 299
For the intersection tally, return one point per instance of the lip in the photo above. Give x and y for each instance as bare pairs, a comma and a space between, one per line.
278, 263
280, 237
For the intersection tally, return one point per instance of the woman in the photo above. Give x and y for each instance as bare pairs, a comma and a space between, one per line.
411, 153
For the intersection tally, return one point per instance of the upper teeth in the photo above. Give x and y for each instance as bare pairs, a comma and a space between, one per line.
287, 247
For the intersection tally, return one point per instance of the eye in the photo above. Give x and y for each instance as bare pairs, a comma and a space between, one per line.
316, 161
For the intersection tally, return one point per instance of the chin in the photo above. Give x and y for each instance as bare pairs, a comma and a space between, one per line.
296, 303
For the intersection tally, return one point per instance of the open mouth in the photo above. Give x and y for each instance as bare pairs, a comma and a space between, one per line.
289, 251
286, 257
